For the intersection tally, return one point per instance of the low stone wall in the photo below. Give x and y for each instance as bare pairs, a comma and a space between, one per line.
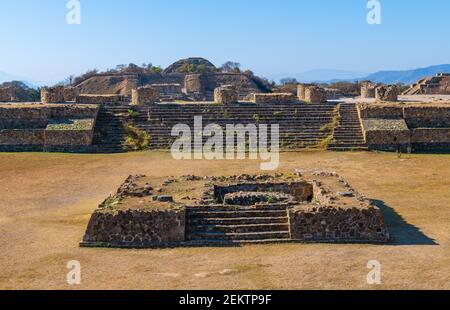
430, 135
101, 99
373, 111
430, 139
52, 94
226, 94
68, 137
386, 93
69, 132
42, 126
274, 98
22, 137
416, 116
331, 224
136, 229
70, 94
144, 96
167, 89
314, 94
6, 94
435, 117
387, 134
38, 116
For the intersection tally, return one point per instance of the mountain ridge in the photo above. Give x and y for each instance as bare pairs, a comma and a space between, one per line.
384, 76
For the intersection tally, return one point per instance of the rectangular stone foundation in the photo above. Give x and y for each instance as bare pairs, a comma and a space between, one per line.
235, 210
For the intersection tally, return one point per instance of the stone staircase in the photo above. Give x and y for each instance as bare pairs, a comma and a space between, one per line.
109, 132
237, 225
348, 135
301, 125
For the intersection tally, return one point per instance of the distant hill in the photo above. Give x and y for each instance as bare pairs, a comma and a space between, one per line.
319, 75
386, 77
407, 76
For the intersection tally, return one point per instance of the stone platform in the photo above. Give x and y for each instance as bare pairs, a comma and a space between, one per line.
305, 206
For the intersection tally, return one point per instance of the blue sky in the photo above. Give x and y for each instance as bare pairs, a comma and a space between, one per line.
267, 36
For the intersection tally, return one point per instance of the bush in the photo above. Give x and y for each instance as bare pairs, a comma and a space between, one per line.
135, 139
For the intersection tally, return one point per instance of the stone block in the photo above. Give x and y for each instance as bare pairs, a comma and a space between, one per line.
274, 98
52, 94
314, 94
194, 83
70, 94
368, 90
386, 93
6, 94
100, 99
226, 94
144, 96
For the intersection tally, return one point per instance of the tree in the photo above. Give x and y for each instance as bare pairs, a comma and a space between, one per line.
120, 67
231, 67
288, 81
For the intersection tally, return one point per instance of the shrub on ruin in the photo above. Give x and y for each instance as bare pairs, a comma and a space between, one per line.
135, 139
132, 114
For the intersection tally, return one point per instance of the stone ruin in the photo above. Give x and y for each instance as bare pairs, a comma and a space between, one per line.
392, 126
194, 84
436, 85
144, 95
113, 99
169, 91
304, 206
368, 90
70, 94
301, 91
226, 94
386, 93
6, 94
52, 94
47, 127
274, 98
315, 94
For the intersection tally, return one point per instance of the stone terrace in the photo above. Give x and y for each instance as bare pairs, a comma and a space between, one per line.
301, 125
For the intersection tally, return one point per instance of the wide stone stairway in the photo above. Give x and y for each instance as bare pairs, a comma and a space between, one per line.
301, 125
236, 225
348, 135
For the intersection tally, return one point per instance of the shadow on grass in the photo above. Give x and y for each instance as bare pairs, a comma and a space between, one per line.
402, 232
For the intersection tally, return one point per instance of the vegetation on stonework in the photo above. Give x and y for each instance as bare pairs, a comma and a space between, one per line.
110, 202
71, 124
278, 113
324, 143
135, 139
132, 114
334, 123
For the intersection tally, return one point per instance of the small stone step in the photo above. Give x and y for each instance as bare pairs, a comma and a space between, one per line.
247, 228
238, 220
240, 214
239, 236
